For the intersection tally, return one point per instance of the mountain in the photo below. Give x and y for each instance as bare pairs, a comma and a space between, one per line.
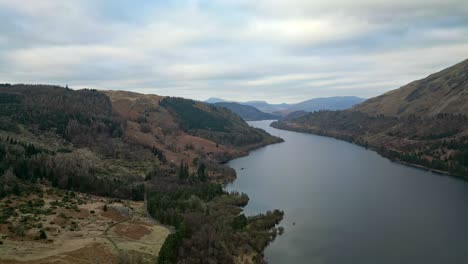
424, 123
312, 105
213, 100
266, 107
326, 103
247, 112
442, 92
79, 161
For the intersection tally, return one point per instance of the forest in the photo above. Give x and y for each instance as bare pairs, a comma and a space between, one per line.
209, 224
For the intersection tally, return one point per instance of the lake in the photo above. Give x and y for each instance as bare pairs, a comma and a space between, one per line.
346, 204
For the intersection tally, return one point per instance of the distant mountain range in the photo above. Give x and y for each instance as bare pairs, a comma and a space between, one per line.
261, 110
260, 105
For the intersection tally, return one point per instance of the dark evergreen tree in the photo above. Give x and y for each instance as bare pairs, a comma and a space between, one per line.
183, 171
201, 173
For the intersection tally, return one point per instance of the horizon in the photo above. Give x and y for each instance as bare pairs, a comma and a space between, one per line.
237, 50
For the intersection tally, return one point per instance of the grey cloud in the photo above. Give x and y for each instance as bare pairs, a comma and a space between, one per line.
270, 50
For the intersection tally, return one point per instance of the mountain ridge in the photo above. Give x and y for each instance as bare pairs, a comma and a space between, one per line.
311, 105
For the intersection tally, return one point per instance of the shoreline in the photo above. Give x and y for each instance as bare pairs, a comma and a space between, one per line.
375, 149
246, 152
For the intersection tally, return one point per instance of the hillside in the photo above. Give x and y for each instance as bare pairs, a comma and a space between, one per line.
424, 123
267, 107
113, 126
120, 145
326, 103
442, 92
246, 112
294, 115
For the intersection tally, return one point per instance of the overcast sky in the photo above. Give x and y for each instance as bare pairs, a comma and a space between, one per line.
278, 51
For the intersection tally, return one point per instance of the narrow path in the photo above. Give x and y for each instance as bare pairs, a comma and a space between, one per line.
112, 225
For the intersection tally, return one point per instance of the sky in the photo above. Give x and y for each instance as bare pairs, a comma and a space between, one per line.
278, 51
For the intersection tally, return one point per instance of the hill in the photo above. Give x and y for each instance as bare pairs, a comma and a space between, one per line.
246, 112
266, 107
442, 92
112, 129
424, 123
72, 152
326, 103
294, 115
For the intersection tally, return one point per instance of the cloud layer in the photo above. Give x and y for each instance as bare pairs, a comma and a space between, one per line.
236, 49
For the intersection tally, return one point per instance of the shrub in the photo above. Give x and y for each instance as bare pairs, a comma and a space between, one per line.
42, 234
145, 128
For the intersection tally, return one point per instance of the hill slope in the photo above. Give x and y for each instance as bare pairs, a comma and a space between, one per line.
442, 92
424, 123
246, 112
116, 137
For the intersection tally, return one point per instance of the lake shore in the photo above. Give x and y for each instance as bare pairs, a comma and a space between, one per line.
376, 149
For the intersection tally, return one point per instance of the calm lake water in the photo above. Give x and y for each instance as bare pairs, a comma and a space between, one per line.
350, 205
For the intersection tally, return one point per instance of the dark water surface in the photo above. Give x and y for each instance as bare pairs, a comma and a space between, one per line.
350, 205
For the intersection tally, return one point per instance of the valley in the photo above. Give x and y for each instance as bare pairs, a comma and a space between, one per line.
135, 178
334, 132
260, 110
